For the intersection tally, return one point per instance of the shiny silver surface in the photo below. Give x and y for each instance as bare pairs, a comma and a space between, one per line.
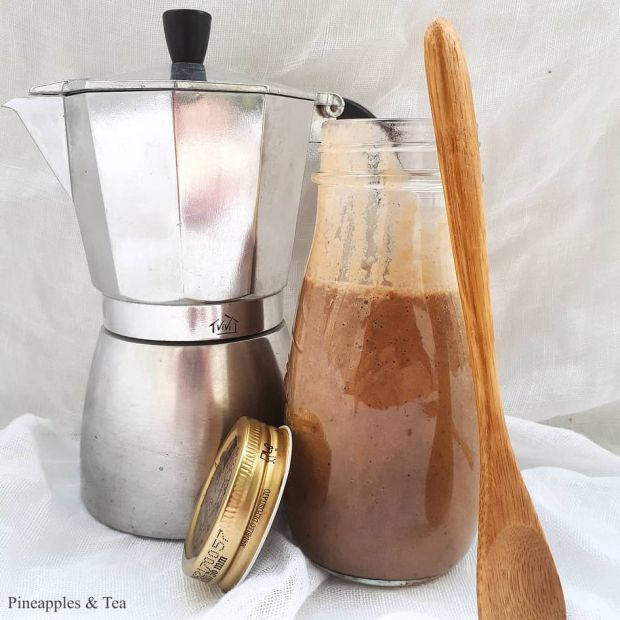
219, 154
285, 140
123, 174
182, 196
329, 105
45, 121
163, 78
155, 415
198, 322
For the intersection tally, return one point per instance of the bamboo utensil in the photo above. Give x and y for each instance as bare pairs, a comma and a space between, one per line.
516, 575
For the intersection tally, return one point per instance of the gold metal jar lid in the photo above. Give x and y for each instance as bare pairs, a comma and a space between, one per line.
237, 503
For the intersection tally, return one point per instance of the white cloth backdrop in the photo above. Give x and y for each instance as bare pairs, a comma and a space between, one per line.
546, 80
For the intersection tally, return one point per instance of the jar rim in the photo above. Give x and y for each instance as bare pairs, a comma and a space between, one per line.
358, 132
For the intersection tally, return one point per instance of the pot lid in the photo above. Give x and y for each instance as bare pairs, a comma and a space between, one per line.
187, 36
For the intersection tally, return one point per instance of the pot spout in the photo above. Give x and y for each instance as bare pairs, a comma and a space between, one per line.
44, 118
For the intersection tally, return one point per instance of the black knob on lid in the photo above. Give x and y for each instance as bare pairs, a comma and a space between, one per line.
187, 34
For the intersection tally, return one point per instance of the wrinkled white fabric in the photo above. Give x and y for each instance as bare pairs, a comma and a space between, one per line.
546, 85
51, 547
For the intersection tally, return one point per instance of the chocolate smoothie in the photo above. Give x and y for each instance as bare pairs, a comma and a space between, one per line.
384, 478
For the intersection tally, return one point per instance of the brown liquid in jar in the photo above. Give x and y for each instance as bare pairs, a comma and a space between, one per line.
384, 475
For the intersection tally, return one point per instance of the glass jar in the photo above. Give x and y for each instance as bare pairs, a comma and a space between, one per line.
384, 479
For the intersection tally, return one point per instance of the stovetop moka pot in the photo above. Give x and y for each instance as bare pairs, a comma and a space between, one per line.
186, 182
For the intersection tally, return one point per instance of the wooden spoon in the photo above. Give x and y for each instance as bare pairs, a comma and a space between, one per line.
516, 576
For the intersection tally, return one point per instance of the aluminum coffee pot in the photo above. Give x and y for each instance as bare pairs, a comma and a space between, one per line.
186, 182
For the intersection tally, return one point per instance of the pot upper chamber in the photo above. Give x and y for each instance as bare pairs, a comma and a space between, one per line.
186, 180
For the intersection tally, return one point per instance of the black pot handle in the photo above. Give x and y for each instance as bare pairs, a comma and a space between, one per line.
352, 109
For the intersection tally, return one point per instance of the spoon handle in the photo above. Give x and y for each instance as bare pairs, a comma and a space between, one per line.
459, 160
